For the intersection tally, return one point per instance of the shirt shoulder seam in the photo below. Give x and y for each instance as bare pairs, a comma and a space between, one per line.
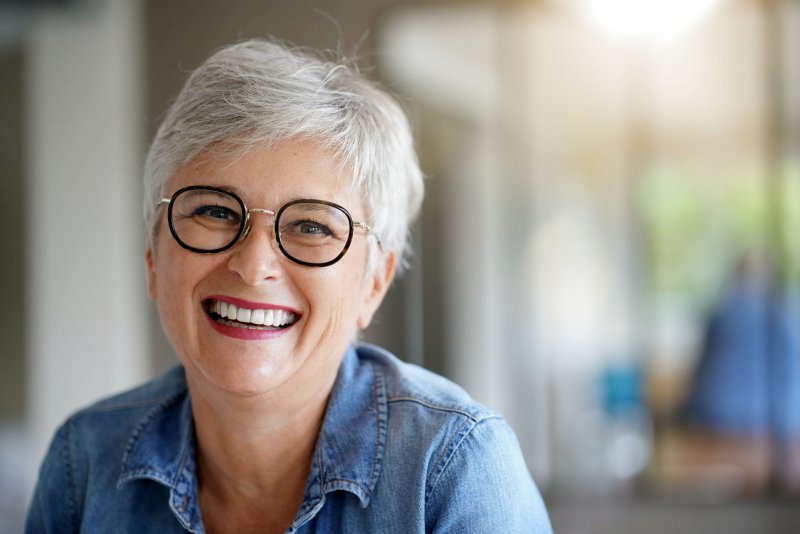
449, 451
476, 414
111, 406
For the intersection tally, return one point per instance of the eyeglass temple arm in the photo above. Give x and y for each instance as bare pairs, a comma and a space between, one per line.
369, 230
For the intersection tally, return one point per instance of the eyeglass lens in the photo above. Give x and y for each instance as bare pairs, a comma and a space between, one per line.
309, 232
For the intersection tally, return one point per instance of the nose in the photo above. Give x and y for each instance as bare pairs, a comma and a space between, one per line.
256, 256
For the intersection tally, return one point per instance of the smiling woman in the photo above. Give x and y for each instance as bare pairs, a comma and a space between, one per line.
278, 194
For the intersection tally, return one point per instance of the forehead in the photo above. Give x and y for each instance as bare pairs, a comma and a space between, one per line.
271, 174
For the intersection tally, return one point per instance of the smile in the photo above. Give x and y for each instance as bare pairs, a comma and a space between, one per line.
231, 315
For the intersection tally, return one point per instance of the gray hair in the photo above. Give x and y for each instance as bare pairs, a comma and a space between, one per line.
258, 92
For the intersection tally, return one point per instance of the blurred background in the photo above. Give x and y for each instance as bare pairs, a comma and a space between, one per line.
608, 253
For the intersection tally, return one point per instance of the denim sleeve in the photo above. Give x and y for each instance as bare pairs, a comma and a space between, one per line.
485, 486
53, 507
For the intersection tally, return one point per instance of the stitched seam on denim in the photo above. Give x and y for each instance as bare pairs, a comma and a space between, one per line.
321, 482
446, 452
345, 484
460, 437
379, 389
345, 480
381, 416
179, 474
474, 416
150, 416
308, 515
128, 405
309, 507
335, 484
73, 494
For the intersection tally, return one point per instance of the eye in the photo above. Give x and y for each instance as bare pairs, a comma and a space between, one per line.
309, 228
217, 214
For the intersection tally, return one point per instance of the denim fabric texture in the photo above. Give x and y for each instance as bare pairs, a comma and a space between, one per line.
401, 450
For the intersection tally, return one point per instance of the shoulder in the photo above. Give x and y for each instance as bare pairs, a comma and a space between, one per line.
462, 458
409, 383
117, 413
96, 431
99, 437
148, 394
485, 483
87, 450
430, 418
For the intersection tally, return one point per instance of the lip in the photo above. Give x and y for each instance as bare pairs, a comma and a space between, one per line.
246, 333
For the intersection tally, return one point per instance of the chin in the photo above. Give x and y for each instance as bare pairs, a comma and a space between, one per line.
245, 376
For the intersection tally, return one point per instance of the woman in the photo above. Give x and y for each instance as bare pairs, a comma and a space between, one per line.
278, 194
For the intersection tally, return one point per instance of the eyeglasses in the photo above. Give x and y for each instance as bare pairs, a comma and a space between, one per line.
209, 220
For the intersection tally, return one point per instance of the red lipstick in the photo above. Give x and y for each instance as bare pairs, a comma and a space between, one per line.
243, 332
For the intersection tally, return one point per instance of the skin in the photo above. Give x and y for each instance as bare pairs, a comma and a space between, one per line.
258, 404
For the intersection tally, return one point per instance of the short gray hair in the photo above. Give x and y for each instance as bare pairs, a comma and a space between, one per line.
258, 92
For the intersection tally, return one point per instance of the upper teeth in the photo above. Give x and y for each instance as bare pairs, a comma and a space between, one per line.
271, 317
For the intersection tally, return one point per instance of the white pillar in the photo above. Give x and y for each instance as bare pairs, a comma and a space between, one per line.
86, 329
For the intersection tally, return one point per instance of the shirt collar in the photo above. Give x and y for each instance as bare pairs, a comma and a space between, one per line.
348, 454
162, 448
353, 436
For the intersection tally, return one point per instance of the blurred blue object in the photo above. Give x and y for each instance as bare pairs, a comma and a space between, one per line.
622, 390
748, 378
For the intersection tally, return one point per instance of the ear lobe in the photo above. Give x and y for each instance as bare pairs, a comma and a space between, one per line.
381, 280
150, 263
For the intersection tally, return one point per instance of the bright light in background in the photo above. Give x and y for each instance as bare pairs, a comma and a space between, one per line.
660, 20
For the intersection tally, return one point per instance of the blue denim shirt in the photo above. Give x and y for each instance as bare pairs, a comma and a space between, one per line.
400, 450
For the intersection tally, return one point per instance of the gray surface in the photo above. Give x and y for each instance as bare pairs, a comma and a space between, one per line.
672, 518
12, 252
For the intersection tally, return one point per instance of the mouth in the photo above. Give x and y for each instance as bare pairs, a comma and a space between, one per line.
231, 315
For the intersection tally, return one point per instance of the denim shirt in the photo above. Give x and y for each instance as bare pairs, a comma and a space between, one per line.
400, 450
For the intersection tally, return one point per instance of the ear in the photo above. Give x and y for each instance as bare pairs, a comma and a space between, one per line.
150, 262
381, 280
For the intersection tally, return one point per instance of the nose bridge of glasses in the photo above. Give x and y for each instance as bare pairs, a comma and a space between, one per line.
248, 225
257, 210
261, 210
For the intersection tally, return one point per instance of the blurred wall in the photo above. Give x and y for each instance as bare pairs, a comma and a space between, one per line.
12, 254
86, 334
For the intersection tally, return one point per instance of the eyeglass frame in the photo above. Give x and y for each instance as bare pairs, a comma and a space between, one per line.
244, 226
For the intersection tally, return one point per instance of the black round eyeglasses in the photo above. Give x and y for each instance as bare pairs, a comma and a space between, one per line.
209, 220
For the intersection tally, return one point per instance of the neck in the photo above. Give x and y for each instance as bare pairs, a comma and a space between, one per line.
257, 448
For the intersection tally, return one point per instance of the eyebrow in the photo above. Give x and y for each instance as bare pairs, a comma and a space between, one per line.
238, 192
229, 188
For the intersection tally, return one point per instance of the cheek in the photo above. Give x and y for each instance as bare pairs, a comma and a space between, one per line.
336, 296
176, 277
169, 294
